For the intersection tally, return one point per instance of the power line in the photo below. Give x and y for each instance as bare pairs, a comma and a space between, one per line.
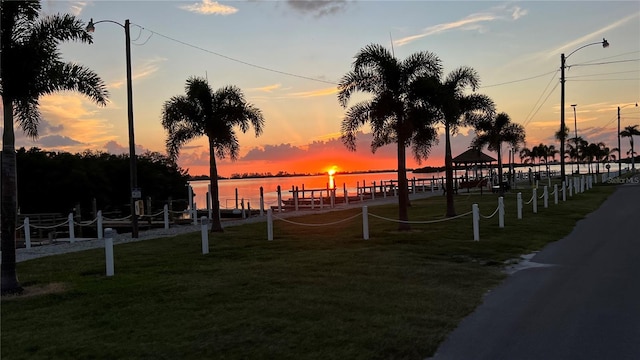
530, 115
626, 79
519, 80
610, 73
611, 57
234, 59
604, 63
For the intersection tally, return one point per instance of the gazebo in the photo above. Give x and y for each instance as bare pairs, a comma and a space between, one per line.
476, 158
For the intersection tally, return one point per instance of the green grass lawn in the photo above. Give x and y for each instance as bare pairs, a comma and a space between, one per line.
312, 293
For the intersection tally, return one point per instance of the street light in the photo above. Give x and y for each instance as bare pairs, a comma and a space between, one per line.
619, 147
575, 125
563, 60
133, 173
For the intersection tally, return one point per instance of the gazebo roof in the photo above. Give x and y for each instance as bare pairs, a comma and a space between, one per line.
473, 156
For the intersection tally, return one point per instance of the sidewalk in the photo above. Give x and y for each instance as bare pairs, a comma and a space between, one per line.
579, 299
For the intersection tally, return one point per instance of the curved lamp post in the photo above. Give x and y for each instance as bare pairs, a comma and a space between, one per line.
619, 146
135, 192
563, 60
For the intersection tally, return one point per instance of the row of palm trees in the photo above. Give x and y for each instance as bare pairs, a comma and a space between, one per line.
408, 100
580, 151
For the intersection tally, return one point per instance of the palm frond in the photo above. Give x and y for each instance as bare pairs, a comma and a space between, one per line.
74, 77
59, 28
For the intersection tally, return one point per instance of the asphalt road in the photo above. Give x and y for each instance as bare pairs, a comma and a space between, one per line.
579, 300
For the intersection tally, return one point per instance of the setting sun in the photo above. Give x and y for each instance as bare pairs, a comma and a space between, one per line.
332, 170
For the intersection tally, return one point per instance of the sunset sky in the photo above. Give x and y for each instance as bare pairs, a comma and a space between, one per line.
288, 56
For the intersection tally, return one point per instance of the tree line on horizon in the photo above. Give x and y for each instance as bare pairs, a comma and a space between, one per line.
88, 179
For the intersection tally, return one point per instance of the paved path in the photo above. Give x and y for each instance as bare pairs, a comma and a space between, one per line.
581, 300
23, 254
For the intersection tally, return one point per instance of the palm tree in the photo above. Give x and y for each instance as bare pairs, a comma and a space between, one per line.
495, 131
576, 149
394, 112
203, 112
32, 67
525, 155
457, 108
631, 131
603, 154
539, 152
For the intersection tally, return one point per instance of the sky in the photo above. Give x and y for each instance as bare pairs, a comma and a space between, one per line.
288, 57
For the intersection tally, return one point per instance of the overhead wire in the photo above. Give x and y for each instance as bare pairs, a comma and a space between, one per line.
535, 109
234, 59
530, 115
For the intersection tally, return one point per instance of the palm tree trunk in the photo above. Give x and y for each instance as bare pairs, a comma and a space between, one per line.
448, 168
9, 205
403, 191
216, 225
633, 155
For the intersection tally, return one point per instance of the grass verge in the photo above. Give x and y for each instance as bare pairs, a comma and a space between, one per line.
313, 292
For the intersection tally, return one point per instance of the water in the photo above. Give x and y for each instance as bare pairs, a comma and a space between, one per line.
249, 189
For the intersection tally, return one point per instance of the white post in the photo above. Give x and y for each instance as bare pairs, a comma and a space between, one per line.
535, 200
72, 235
313, 200
365, 223
333, 197
204, 221
279, 199
191, 204
194, 213
476, 222
244, 215
27, 233
322, 200
571, 188
261, 201
108, 250
295, 198
519, 205
383, 187
432, 182
501, 212
100, 225
395, 190
373, 191
346, 194
555, 194
165, 210
564, 191
269, 224
545, 196
413, 185
582, 184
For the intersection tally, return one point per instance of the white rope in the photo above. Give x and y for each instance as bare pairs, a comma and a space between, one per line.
49, 227
158, 213
87, 223
326, 224
555, 190
118, 219
492, 215
420, 222
530, 200
20, 227
541, 196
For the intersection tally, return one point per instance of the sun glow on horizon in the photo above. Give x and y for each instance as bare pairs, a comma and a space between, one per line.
332, 170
